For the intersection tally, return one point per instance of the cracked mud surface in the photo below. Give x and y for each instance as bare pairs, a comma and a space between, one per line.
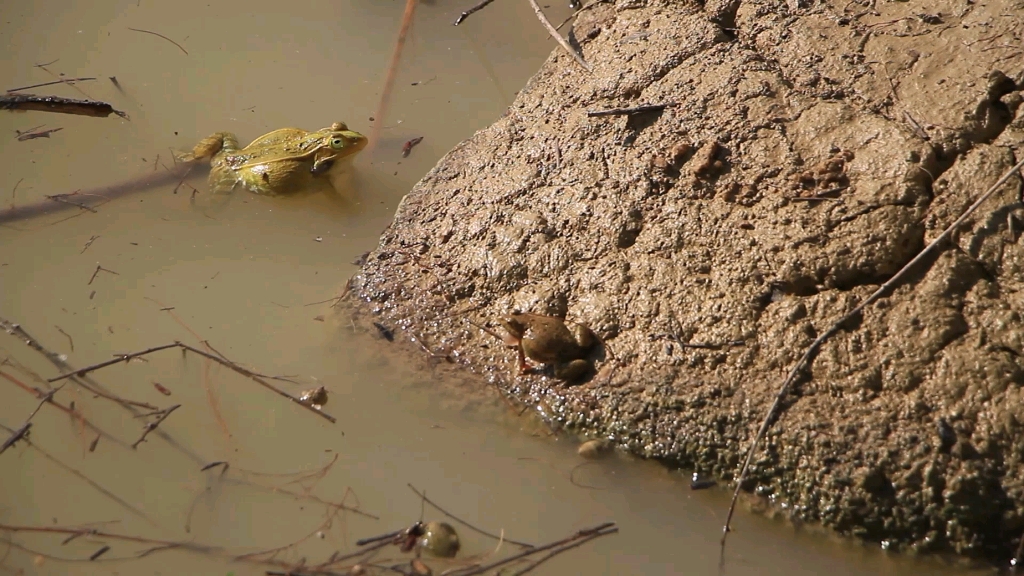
814, 149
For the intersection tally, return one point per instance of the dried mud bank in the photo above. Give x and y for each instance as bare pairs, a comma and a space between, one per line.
814, 149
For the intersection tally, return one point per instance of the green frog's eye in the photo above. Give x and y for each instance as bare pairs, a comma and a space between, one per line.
338, 143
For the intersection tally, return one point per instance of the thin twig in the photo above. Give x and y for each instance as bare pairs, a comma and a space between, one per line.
423, 495
467, 13
153, 425
812, 350
558, 37
161, 36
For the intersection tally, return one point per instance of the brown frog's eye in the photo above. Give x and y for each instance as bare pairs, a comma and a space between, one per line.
338, 143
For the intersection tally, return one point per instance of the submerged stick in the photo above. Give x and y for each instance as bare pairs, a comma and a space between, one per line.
67, 81
558, 37
389, 81
124, 358
160, 36
153, 425
812, 350
423, 496
216, 358
58, 104
90, 482
469, 12
586, 535
14, 528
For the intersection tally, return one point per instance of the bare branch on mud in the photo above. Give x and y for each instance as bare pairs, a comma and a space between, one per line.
558, 37
818, 342
469, 12
630, 111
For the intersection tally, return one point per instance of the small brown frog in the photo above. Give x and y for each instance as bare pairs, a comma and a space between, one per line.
546, 339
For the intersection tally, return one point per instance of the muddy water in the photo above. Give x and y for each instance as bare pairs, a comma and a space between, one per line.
245, 276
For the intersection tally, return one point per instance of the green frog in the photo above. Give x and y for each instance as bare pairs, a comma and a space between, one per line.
547, 339
284, 161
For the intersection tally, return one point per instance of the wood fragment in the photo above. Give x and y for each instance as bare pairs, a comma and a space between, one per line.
99, 552
58, 104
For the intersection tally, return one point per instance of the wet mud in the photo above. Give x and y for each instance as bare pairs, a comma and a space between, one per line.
801, 154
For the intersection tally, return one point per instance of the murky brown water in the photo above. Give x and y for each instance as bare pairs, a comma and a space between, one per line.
242, 276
